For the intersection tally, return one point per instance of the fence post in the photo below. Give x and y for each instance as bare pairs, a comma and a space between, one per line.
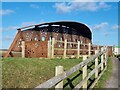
23, 49
89, 49
96, 64
78, 49
65, 47
49, 49
98, 47
102, 58
59, 70
85, 72
53, 43
106, 56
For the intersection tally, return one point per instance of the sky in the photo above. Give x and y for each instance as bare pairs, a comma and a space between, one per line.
100, 17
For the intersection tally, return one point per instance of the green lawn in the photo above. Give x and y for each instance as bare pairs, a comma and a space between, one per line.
30, 72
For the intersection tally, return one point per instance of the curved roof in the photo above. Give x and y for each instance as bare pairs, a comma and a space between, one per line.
76, 25
80, 27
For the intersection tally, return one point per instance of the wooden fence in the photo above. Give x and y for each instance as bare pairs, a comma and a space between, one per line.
60, 74
67, 49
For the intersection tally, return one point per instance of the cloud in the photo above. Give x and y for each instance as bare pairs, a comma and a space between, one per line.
6, 12
82, 6
8, 38
23, 24
34, 6
15, 27
104, 5
116, 27
10, 28
0, 29
100, 26
42, 21
31, 23
63, 7
106, 34
27, 23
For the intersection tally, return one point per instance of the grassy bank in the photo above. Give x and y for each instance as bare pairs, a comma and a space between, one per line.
30, 72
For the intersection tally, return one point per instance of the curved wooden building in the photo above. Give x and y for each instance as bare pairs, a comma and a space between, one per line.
36, 37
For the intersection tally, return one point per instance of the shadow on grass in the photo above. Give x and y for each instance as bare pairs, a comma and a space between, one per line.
69, 81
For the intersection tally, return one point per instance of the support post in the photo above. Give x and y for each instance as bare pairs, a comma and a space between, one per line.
59, 70
49, 49
102, 58
113, 50
23, 49
98, 47
13, 43
65, 47
78, 50
53, 43
96, 64
89, 49
84, 72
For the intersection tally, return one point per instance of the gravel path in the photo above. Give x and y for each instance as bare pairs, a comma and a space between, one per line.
113, 81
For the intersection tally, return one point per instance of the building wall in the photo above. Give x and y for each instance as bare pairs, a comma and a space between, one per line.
47, 33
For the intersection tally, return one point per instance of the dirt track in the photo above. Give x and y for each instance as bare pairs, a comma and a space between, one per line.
113, 81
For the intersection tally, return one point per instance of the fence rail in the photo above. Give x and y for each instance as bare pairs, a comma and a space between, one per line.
65, 48
57, 80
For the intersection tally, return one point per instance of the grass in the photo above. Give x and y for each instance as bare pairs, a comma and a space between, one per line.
30, 72
106, 75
